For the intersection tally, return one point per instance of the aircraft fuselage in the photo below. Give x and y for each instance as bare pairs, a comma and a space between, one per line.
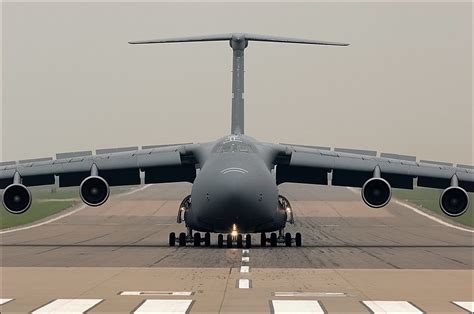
235, 186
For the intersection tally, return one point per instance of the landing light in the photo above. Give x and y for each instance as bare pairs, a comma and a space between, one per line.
234, 232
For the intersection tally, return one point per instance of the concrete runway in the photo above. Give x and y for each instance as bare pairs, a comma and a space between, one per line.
354, 259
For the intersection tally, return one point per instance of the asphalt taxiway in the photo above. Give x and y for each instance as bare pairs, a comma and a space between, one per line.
354, 259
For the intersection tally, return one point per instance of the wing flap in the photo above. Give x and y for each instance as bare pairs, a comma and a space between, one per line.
287, 173
184, 173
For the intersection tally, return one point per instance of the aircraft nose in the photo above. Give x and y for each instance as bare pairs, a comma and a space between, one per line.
235, 192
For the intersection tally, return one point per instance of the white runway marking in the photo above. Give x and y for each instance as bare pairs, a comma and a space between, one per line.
69, 306
296, 306
469, 306
158, 293
245, 251
136, 190
245, 259
64, 215
244, 284
164, 306
416, 210
244, 269
391, 307
444, 223
4, 301
309, 294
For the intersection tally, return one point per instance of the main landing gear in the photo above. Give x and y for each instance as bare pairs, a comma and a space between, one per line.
282, 238
232, 240
194, 239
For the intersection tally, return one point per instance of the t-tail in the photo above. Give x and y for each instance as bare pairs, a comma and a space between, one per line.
238, 43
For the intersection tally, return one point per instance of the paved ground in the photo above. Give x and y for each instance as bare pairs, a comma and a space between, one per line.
351, 254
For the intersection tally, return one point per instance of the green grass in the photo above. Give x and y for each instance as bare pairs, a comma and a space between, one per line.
37, 211
429, 199
47, 200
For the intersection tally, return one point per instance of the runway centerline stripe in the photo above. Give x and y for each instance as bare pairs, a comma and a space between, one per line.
164, 306
64, 215
245, 259
158, 293
391, 307
4, 301
70, 306
468, 306
296, 306
245, 251
243, 284
244, 269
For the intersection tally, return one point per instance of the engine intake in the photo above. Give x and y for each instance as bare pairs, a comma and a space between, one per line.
94, 191
16, 198
376, 192
454, 201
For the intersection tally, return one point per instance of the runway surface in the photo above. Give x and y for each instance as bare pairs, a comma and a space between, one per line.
354, 259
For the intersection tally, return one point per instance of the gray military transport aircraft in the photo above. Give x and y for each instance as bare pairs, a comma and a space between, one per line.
235, 178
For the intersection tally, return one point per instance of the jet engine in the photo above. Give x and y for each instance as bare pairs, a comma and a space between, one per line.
376, 192
94, 190
17, 198
454, 201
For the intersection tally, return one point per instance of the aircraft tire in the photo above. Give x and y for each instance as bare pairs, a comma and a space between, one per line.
229, 241
273, 239
298, 239
197, 239
172, 239
207, 239
248, 241
239, 241
220, 241
263, 239
288, 239
182, 239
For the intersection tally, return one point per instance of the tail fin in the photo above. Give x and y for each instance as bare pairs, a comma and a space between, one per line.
238, 43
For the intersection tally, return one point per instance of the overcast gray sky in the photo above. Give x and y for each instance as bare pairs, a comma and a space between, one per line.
71, 82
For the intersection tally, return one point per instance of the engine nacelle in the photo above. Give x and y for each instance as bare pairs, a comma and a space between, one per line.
454, 201
17, 198
94, 191
376, 192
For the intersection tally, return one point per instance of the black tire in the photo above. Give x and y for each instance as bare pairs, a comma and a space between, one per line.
248, 241
207, 239
298, 239
182, 239
197, 239
229, 241
220, 241
273, 239
172, 239
287, 239
240, 241
263, 239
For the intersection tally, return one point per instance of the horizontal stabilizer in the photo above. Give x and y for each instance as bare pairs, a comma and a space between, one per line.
238, 36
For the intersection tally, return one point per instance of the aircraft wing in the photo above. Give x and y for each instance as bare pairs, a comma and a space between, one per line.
119, 166
349, 167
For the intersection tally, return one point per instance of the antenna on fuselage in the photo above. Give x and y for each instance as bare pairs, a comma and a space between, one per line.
238, 43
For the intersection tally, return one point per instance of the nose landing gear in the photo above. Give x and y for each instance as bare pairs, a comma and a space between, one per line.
233, 240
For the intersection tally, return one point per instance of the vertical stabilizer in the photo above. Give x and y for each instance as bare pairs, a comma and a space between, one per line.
238, 43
